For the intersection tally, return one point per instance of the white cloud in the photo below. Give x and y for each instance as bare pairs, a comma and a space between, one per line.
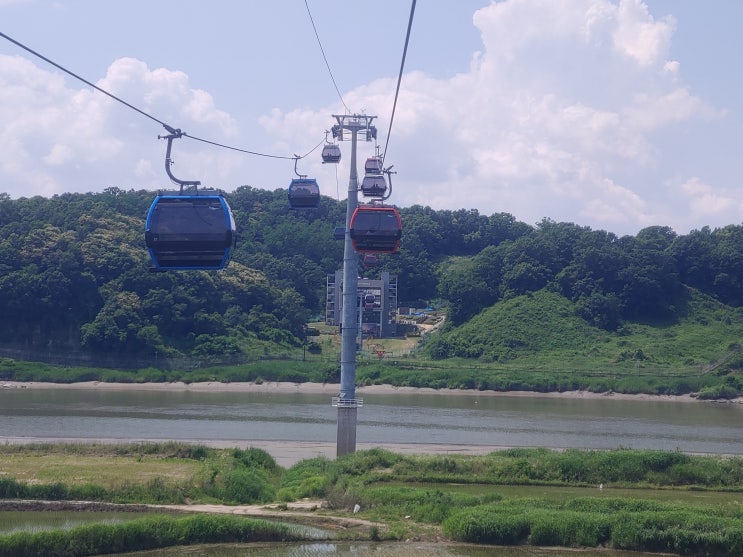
58, 155
650, 112
615, 205
59, 137
639, 36
704, 201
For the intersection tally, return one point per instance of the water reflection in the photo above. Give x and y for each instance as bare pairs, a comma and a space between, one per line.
387, 549
38, 521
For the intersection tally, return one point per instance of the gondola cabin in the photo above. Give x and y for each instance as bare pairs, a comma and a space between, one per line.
370, 261
304, 193
373, 165
331, 153
369, 301
190, 232
373, 185
375, 229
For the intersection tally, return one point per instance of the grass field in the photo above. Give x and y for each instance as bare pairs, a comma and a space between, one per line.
106, 471
652, 501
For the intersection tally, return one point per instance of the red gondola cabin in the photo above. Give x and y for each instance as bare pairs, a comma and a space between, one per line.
375, 229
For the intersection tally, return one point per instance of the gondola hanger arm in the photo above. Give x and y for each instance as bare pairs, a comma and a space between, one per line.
389, 173
296, 160
175, 134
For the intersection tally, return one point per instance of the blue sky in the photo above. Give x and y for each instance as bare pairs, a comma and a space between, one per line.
612, 114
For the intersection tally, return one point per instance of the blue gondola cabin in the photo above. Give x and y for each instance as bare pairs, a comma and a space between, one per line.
190, 232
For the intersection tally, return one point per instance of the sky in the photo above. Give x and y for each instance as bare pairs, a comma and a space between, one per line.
611, 114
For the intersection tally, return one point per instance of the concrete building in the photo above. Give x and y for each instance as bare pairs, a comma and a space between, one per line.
377, 303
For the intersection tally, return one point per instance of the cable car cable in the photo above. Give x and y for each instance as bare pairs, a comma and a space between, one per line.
216, 144
399, 77
337, 186
322, 50
48, 61
169, 128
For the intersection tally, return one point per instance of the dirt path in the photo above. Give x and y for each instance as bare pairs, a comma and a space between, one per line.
307, 512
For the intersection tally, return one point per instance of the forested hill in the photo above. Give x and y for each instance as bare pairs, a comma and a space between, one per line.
75, 274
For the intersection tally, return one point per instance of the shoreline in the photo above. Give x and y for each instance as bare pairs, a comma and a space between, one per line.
331, 389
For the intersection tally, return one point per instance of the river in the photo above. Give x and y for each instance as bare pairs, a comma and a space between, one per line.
296, 425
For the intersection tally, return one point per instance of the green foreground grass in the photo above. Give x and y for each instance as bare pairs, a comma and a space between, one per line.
619, 499
141, 534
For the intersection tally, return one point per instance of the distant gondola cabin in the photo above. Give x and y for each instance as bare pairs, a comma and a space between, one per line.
370, 261
304, 193
373, 185
369, 301
331, 153
373, 165
375, 229
190, 232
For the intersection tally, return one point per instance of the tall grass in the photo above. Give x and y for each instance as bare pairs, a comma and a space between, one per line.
234, 476
593, 522
142, 534
619, 467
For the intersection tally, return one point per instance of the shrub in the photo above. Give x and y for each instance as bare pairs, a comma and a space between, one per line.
718, 392
254, 457
569, 529
487, 525
142, 534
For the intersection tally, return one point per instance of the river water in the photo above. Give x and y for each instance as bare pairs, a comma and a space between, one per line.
296, 425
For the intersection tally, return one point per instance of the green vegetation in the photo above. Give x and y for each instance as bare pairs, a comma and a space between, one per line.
138, 535
647, 500
593, 522
461, 496
269, 370
169, 473
536, 342
541, 345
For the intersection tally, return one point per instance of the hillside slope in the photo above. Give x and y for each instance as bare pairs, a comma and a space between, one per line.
542, 329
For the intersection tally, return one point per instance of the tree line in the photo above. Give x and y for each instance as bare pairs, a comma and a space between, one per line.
611, 279
75, 275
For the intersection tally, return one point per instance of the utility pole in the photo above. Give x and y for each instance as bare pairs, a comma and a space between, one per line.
346, 401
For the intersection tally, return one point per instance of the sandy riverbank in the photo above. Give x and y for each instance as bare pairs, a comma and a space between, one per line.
331, 389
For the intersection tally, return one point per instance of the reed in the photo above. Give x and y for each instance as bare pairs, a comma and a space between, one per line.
143, 534
594, 522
